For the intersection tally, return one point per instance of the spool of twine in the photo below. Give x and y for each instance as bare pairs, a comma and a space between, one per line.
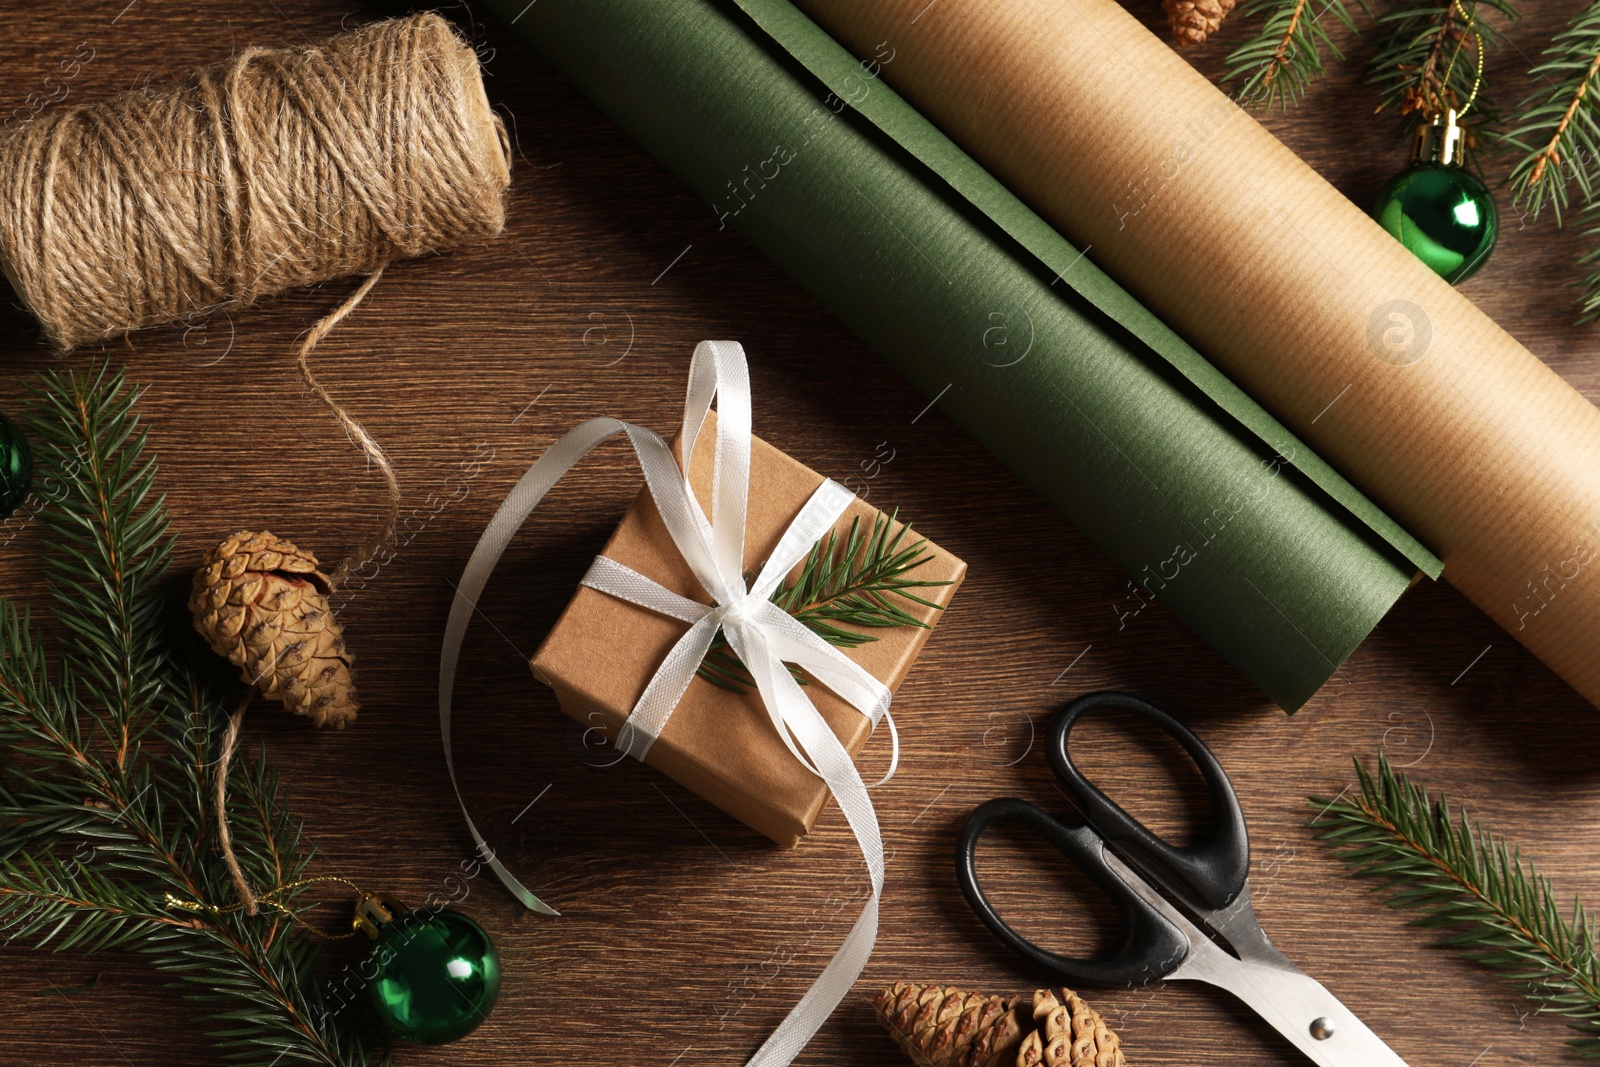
276, 169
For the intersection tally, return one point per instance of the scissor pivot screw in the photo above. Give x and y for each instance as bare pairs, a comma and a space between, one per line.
1322, 1028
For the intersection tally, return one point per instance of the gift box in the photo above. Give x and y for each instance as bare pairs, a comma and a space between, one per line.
603, 651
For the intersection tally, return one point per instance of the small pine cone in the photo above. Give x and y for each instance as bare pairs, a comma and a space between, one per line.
943, 1027
1069, 1034
1193, 21
262, 603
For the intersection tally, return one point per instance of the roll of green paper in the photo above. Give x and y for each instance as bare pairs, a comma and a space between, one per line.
1205, 502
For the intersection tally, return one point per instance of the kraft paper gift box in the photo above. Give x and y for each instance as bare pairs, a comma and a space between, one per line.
603, 651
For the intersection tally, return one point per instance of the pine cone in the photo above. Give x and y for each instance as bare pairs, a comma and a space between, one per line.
1194, 20
938, 1026
262, 603
942, 1027
1068, 1035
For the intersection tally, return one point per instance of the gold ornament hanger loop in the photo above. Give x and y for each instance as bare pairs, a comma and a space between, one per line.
273, 899
1477, 46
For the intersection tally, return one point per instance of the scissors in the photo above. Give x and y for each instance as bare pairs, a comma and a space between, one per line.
1209, 878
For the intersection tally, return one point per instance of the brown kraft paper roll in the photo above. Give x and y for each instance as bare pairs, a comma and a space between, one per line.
1401, 383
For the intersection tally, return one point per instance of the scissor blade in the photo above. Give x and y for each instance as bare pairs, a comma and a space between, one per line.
1298, 1007
1294, 1003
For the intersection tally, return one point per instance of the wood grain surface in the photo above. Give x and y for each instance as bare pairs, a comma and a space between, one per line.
685, 937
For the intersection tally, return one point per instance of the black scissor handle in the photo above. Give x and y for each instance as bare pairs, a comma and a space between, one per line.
1215, 868
1152, 947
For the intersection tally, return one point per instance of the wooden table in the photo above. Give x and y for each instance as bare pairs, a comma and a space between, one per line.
685, 937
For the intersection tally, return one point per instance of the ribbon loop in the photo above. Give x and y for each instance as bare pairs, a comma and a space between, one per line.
765, 637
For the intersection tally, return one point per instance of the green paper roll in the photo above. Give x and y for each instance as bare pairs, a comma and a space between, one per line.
1205, 508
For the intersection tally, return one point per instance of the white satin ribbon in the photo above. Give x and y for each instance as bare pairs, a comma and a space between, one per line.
763, 635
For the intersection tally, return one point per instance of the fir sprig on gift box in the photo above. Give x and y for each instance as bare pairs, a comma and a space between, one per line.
108, 755
1491, 904
848, 582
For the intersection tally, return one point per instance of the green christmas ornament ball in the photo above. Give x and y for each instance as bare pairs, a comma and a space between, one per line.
1437, 208
1444, 215
16, 467
437, 974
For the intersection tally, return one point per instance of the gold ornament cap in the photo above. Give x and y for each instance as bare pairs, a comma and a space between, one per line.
373, 912
1439, 141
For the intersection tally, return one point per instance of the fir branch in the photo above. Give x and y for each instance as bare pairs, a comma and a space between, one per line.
60, 900
1280, 62
109, 542
1428, 63
271, 1005
1559, 135
1490, 903
1589, 301
850, 582
107, 757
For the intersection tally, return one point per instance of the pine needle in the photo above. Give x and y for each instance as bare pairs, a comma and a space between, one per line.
855, 581
1489, 903
107, 751
1280, 62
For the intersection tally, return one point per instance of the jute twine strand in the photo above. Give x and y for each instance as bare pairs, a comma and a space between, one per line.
230, 745
369, 548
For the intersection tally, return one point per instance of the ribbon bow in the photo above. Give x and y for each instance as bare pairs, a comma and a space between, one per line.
764, 636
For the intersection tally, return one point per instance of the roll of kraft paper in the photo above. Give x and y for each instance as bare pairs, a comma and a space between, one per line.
1389, 373
1216, 519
